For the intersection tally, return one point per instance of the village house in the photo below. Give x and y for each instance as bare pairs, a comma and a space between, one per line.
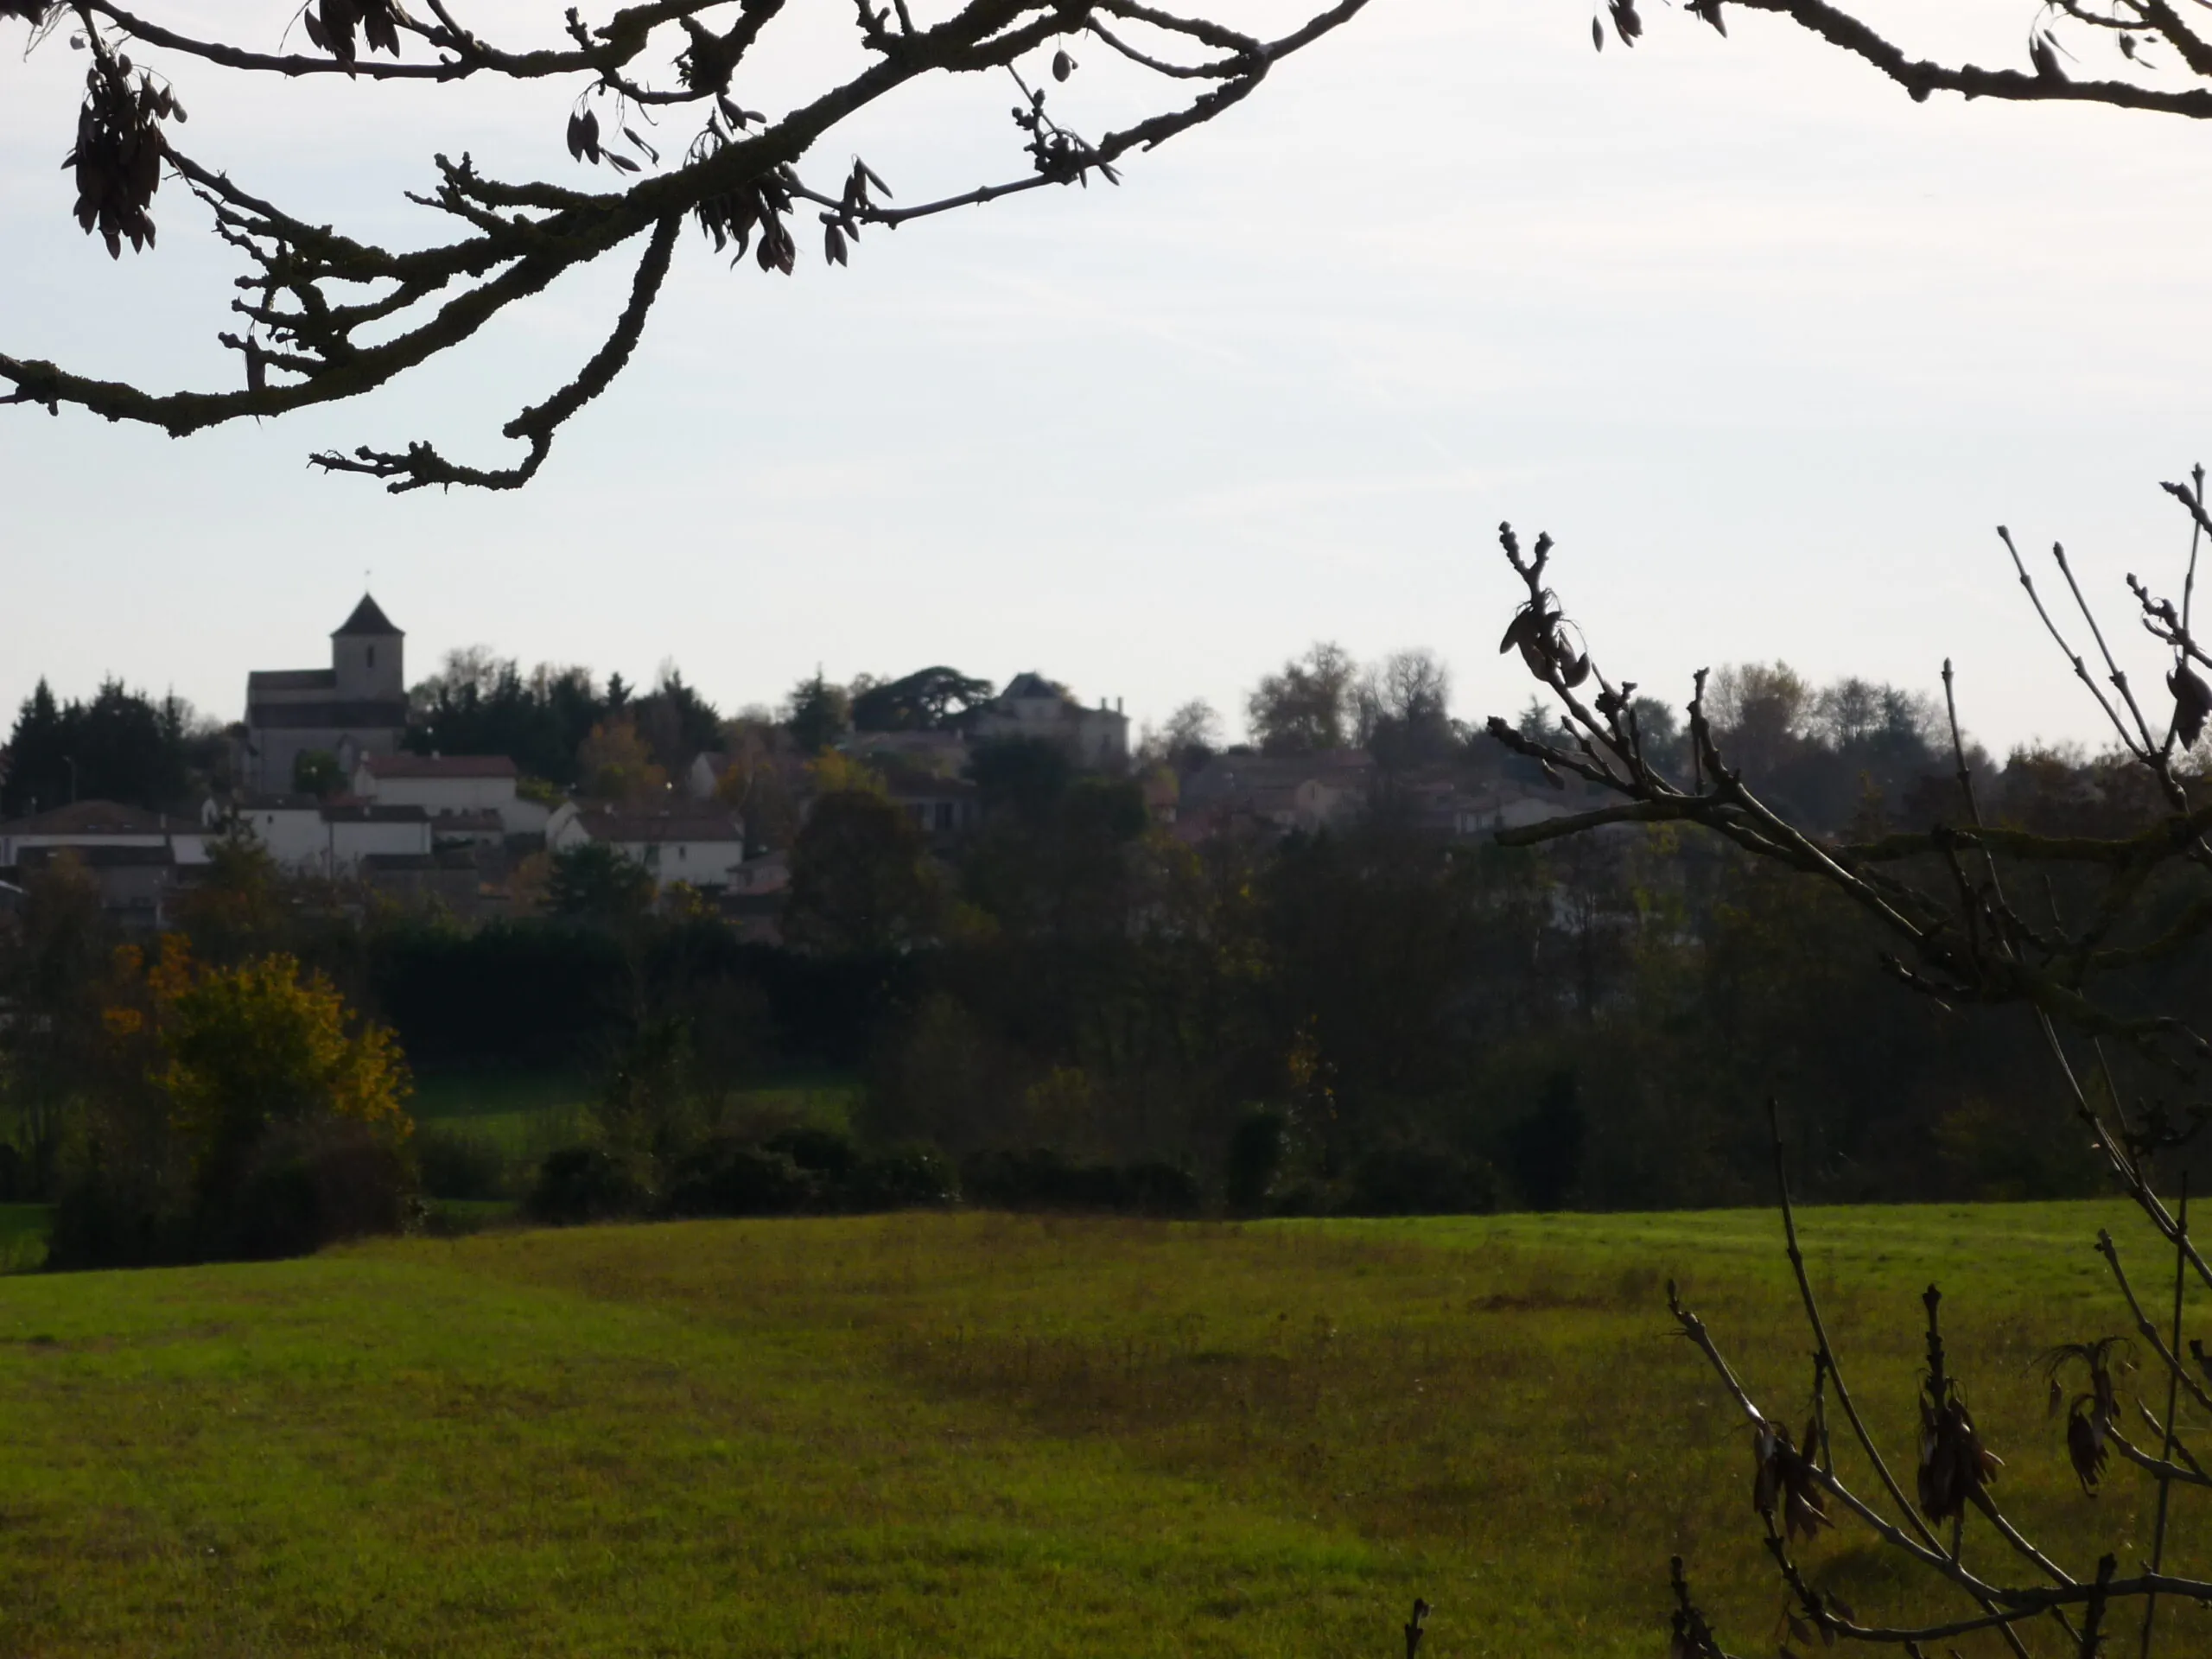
1278, 794
332, 839
1035, 707
135, 857
452, 786
684, 841
356, 706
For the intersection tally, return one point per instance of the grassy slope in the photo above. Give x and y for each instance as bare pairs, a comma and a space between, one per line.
975, 1434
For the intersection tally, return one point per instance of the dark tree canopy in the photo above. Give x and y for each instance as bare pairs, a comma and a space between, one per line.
329, 317
922, 702
122, 745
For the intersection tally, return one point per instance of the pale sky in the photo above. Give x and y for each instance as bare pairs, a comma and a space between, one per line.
1766, 346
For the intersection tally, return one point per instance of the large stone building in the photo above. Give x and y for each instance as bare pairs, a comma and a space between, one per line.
355, 708
1035, 707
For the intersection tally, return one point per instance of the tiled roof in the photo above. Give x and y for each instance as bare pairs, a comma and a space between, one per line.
367, 618
439, 765
290, 679
103, 858
377, 716
650, 828
352, 812
95, 819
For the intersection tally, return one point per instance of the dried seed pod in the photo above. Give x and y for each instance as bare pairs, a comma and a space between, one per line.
118, 155
2085, 1444
1953, 1463
2192, 703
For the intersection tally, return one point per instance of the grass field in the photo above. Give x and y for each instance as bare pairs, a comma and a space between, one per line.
972, 1434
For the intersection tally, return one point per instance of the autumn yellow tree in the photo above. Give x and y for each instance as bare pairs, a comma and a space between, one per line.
616, 764
265, 1043
242, 1111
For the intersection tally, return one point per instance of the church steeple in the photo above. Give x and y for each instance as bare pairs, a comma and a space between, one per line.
366, 655
368, 619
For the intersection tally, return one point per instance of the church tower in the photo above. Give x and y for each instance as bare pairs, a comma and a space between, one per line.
367, 656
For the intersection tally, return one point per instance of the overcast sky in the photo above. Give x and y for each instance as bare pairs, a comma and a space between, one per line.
1767, 347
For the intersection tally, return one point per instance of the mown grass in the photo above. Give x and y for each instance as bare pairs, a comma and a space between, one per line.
979, 1435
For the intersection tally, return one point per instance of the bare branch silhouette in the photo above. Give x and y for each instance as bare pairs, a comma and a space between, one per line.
330, 318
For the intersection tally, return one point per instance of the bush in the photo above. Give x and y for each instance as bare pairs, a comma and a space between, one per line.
583, 1184
108, 1214
1408, 1178
1255, 1152
915, 1180
726, 1177
822, 1152
1043, 1179
457, 1166
1157, 1189
308, 1184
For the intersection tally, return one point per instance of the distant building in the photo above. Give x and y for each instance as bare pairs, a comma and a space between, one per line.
1276, 794
356, 706
1035, 707
86, 825
943, 753
135, 857
943, 808
333, 839
704, 846
447, 786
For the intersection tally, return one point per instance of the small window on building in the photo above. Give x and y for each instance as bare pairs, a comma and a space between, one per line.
372, 655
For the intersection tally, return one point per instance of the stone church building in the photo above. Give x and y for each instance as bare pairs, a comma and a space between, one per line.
354, 709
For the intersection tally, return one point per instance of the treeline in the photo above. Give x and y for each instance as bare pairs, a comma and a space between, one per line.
1075, 1004
120, 746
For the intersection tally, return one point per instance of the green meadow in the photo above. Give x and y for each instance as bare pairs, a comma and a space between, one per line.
976, 1434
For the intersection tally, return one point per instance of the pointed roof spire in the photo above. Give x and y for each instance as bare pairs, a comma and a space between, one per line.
367, 618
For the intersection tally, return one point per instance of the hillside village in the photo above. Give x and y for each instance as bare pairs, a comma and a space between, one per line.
338, 774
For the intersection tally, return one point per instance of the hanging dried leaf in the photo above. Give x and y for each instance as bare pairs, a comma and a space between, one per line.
1063, 65
2085, 1444
2192, 703
1953, 1463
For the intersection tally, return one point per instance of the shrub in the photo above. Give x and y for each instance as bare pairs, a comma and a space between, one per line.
1412, 1178
582, 1184
914, 1180
1159, 1189
114, 1211
1043, 1179
824, 1152
308, 1184
459, 1165
726, 1176
1255, 1152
